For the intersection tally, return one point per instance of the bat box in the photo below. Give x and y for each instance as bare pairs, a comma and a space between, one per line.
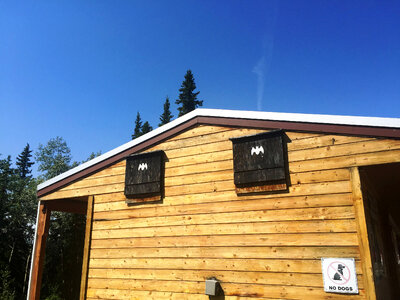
144, 175
260, 162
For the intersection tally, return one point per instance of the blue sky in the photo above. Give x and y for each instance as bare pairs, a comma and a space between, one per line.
83, 69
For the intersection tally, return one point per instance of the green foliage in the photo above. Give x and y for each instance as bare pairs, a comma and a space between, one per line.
17, 216
64, 252
166, 116
54, 158
6, 292
6, 174
146, 128
138, 127
53, 292
91, 156
18, 207
24, 162
187, 97
61, 276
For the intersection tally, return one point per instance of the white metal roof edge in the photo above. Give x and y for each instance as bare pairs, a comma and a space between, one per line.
304, 118
238, 114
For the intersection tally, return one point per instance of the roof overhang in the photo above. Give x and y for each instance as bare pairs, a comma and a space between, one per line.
349, 125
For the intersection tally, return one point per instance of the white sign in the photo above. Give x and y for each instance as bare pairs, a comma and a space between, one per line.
339, 275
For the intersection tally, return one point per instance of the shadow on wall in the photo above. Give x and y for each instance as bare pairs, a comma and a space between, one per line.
214, 289
220, 297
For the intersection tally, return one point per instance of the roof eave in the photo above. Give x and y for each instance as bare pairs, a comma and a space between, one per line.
387, 124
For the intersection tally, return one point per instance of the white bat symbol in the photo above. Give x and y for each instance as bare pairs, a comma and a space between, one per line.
142, 166
257, 150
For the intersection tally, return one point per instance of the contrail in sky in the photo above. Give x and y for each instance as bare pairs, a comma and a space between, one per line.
262, 66
259, 71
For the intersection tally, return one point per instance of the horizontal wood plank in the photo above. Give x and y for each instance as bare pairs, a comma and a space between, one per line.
297, 178
228, 205
231, 229
288, 239
153, 295
206, 251
364, 159
299, 279
345, 150
115, 294
236, 264
230, 289
296, 214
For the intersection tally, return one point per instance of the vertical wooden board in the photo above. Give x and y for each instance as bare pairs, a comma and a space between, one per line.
42, 231
362, 234
86, 249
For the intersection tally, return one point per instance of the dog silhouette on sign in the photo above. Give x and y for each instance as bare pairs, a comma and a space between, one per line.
338, 275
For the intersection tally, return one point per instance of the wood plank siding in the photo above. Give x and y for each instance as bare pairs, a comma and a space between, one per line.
259, 246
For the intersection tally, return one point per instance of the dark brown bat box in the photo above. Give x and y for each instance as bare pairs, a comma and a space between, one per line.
144, 175
260, 162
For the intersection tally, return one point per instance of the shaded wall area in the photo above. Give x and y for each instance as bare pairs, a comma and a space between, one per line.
380, 185
63, 259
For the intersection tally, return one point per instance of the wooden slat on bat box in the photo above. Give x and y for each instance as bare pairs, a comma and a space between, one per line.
144, 175
261, 160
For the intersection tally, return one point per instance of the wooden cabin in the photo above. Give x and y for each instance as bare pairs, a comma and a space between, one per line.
250, 202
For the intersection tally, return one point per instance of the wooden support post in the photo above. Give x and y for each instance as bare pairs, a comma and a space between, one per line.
363, 242
86, 249
42, 231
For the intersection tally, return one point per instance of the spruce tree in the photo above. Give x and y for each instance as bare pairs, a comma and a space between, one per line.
7, 245
187, 97
24, 163
146, 128
17, 214
166, 116
138, 127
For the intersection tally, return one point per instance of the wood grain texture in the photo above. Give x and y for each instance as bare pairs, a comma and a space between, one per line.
117, 202
275, 252
363, 234
152, 295
230, 289
290, 279
296, 178
38, 257
264, 246
199, 157
288, 239
86, 248
231, 229
255, 265
295, 214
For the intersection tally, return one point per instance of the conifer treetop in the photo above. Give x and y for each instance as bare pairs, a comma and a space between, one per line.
187, 97
166, 116
138, 127
24, 162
